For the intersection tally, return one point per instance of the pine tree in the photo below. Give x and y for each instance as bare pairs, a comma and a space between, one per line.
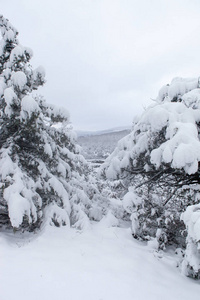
42, 174
158, 164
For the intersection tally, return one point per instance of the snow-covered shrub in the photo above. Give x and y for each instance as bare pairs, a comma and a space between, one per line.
191, 261
159, 161
41, 170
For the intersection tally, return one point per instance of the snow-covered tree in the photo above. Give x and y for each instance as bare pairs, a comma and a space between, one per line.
158, 163
42, 174
191, 261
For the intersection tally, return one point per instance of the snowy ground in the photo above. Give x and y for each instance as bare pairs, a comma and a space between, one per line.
98, 264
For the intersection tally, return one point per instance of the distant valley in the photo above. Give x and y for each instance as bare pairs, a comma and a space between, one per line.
98, 145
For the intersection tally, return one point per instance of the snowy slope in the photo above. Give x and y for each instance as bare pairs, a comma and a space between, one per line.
98, 264
100, 145
101, 132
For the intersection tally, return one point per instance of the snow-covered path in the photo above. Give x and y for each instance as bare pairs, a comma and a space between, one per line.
99, 264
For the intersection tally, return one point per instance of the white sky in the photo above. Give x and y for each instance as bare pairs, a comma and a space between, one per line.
105, 59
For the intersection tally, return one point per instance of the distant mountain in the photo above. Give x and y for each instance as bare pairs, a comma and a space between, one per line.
100, 132
98, 145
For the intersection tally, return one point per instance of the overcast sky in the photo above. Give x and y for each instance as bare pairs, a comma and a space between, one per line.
105, 59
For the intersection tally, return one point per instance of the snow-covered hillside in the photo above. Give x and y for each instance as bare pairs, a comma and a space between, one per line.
98, 264
98, 145
101, 132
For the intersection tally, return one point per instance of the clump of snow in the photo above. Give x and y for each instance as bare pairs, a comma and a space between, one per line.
192, 99
18, 207
48, 150
39, 70
191, 218
7, 74
29, 51
109, 221
9, 35
7, 167
2, 86
178, 87
95, 213
58, 187
191, 261
153, 244
19, 200
16, 53
80, 218
19, 79
57, 216
9, 96
125, 162
61, 111
182, 149
62, 169
131, 201
28, 107
157, 117
113, 169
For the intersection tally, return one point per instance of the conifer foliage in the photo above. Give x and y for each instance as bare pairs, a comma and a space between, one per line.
158, 166
42, 174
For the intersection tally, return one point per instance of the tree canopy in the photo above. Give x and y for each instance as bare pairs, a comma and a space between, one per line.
43, 176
